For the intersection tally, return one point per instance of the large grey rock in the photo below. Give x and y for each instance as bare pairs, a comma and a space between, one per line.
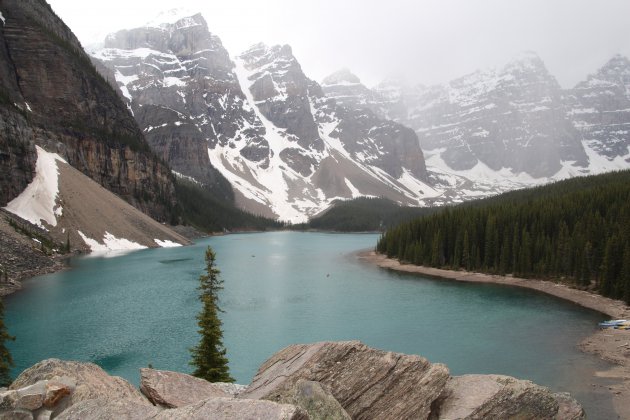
106, 409
229, 388
213, 408
504, 397
230, 408
8, 399
174, 389
31, 397
368, 383
91, 382
318, 402
16, 415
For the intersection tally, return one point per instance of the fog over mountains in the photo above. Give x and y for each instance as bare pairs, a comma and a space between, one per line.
289, 146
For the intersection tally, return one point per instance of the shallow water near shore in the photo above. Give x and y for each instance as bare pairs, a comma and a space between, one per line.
285, 287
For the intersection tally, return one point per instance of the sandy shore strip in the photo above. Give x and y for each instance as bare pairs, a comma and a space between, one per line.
610, 345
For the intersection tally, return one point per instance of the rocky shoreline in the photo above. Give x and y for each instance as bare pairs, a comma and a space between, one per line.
612, 346
326, 380
23, 254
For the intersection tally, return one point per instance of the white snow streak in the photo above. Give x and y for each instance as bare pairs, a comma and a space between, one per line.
166, 243
38, 202
110, 243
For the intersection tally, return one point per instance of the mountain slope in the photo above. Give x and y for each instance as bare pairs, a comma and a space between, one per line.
286, 149
74, 209
53, 97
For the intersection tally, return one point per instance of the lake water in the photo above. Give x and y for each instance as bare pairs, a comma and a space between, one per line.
286, 287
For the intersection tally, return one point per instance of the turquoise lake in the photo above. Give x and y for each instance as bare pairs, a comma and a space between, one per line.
286, 287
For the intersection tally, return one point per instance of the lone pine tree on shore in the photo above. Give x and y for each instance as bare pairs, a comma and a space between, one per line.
6, 361
208, 357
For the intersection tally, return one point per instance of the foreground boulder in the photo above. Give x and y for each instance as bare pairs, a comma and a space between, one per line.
368, 383
232, 408
374, 384
50, 387
91, 381
504, 397
317, 401
173, 389
330, 380
104, 408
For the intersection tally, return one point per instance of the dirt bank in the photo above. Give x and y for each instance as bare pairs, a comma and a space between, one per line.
610, 345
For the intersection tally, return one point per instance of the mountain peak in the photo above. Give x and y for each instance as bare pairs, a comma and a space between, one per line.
527, 60
177, 16
341, 77
619, 64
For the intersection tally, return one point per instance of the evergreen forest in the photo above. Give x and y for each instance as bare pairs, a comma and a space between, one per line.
575, 231
209, 212
363, 214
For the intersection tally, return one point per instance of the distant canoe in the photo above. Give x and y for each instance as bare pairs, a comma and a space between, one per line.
616, 324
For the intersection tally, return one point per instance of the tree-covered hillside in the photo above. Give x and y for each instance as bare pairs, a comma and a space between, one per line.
576, 230
207, 212
363, 215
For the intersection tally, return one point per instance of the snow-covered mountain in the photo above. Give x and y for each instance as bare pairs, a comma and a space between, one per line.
600, 111
511, 127
287, 150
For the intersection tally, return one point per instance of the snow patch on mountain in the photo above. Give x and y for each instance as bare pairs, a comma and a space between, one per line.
166, 243
110, 243
38, 202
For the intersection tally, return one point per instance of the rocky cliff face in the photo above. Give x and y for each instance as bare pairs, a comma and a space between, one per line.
286, 149
177, 80
512, 118
502, 129
330, 380
53, 97
509, 118
599, 108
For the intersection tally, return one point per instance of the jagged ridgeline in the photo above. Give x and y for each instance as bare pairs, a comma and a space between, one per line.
576, 230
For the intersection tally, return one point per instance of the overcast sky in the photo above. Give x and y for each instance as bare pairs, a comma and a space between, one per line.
423, 41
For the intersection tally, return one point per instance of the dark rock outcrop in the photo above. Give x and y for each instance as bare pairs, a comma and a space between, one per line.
22, 256
53, 96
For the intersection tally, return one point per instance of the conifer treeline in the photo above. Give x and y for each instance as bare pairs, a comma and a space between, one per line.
576, 230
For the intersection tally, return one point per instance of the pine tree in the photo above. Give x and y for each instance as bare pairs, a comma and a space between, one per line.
6, 361
208, 357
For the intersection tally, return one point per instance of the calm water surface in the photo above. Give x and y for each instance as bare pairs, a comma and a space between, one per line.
282, 288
